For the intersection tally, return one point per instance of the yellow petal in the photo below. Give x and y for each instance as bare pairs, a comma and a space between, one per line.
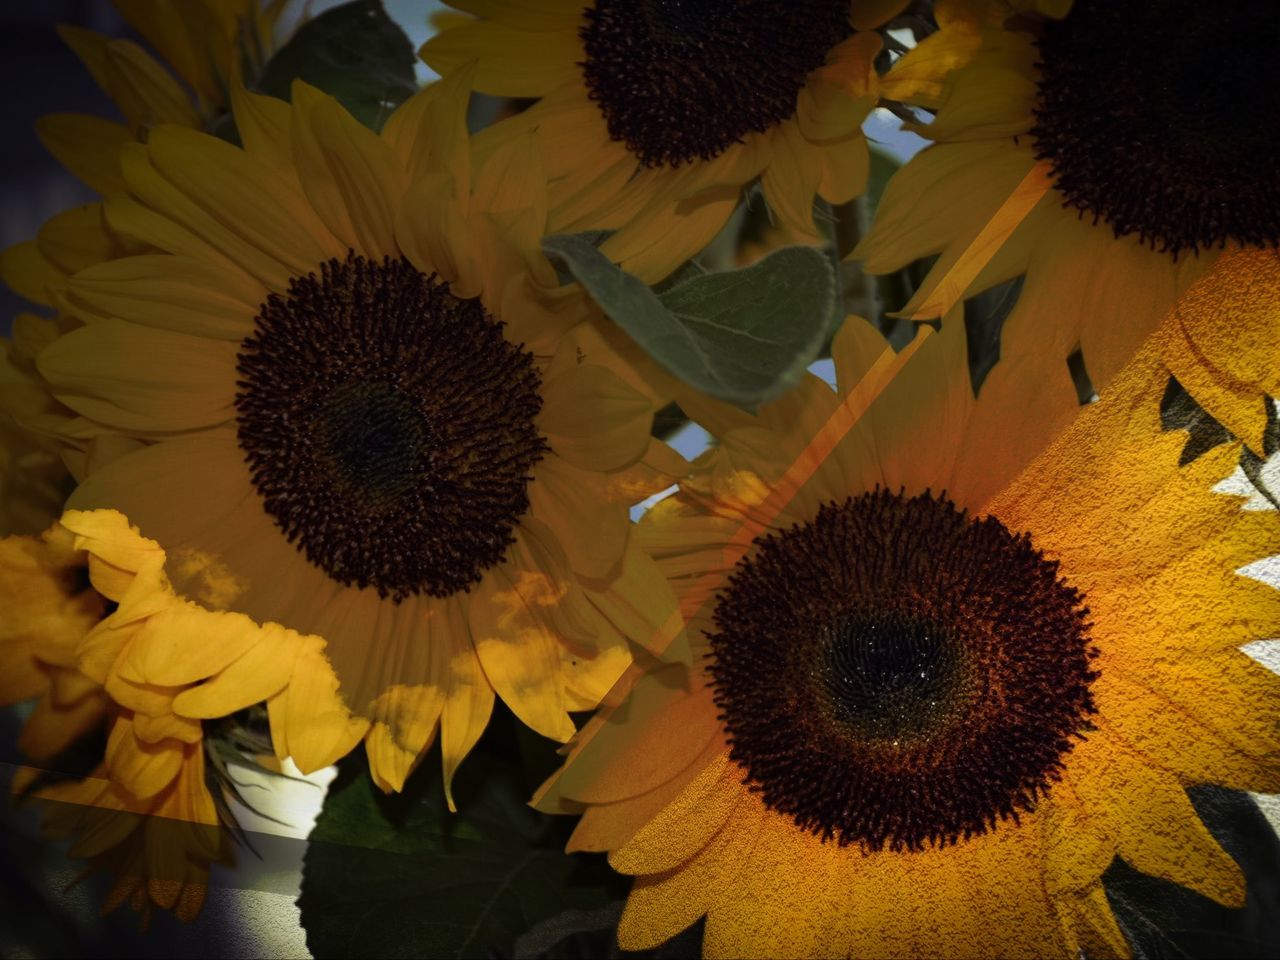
468, 697
144, 379
87, 146
144, 90
1220, 341
432, 232
845, 169
90, 47
661, 905
144, 769
791, 179
639, 605
155, 730
592, 529
667, 726
351, 177
517, 649
429, 131
404, 724
261, 223
175, 293
77, 238
29, 273
315, 726
594, 420
185, 643
257, 675
1156, 829
509, 62
264, 126
686, 825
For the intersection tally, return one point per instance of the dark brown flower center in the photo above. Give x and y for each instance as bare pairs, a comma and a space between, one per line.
684, 80
1159, 118
896, 673
389, 426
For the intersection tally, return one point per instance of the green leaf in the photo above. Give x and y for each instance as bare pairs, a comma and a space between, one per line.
743, 336
355, 53
401, 876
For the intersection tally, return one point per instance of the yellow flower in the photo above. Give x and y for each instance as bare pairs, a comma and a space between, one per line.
157, 850
48, 608
92, 628
357, 403
656, 115
923, 723
1146, 160
31, 475
205, 43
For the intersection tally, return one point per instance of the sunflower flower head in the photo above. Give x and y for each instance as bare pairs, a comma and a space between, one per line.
923, 723
658, 114
382, 422
1103, 175
79, 606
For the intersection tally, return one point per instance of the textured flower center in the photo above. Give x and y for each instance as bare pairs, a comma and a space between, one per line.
890, 675
684, 80
895, 673
389, 426
1159, 118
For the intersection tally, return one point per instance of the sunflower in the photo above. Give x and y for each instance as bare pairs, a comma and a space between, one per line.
158, 850
922, 719
1146, 159
205, 44
48, 609
92, 629
351, 398
655, 115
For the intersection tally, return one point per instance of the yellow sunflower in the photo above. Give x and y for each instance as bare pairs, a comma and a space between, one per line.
354, 401
1147, 161
205, 43
655, 115
922, 719
157, 850
92, 628
48, 609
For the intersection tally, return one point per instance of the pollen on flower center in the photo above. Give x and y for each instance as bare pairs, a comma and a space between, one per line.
684, 80
389, 426
896, 673
1156, 118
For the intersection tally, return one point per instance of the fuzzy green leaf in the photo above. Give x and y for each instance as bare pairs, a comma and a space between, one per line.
743, 336
355, 53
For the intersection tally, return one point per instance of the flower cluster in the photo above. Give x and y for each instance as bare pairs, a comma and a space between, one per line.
350, 412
